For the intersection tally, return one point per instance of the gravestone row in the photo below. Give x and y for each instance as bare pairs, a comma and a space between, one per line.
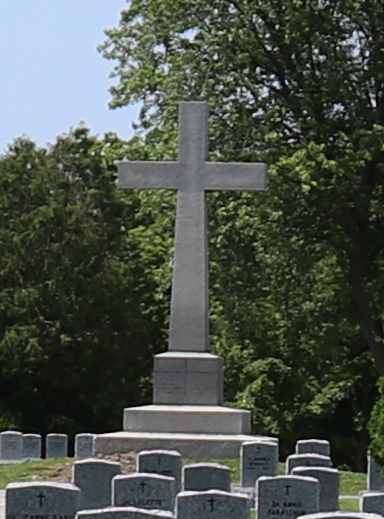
17, 446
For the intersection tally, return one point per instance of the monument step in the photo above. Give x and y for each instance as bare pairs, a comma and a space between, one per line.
197, 419
196, 446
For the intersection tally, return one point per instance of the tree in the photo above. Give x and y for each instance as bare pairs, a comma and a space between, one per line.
300, 85
77, 331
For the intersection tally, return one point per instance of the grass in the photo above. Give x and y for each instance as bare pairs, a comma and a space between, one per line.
351, 483
349, 505
30, 470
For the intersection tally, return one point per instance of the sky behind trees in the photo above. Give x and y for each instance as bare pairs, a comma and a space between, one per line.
52, 76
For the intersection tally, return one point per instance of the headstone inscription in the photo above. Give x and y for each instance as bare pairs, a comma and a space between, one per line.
94, 478
42, 500
206, 476
322, 447
124, 512
212, 504
84, 445
182, 379
56, 445
165, 463
374, 477
372, 502
306, 460
329, 480
286, 496
11, 445
258, 458
31, 446
150, 491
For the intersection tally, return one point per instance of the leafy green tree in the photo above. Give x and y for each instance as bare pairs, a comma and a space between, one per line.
79, 320
297, 273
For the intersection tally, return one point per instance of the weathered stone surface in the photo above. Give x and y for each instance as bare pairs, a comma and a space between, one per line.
374, 479
31, 446
84, 445
11, 447
286, 496
150, 491
182, 378
56, 445
162, 462
306, 460
206, 476
191, 176
329, 480
41, 499
258, 458
372, 502
94, 478
212, 504
321, 447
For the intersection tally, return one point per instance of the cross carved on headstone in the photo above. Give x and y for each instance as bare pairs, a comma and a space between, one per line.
191, 176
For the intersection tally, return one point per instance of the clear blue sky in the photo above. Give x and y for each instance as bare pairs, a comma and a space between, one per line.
51, 75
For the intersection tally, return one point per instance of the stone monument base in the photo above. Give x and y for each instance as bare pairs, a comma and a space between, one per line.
195, 446
195, 419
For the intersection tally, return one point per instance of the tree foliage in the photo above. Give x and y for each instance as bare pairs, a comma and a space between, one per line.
297, 273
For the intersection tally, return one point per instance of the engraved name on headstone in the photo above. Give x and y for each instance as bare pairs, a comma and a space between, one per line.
41, 500
150, 491
286, 496
258, 458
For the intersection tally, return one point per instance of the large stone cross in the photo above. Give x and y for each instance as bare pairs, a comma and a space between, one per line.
191, 176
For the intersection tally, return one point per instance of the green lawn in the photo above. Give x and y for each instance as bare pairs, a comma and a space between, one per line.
31, 470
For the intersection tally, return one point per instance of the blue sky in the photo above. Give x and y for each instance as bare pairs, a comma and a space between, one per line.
51, 75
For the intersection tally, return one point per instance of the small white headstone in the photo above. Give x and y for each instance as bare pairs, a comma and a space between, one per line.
11, 445
212, 504
206, 476
329, 480
321, 447
150, 491
306, 460
258, 458
41, 500
165, 463
31, 446
84, 445
56, 445
288, 496
94, 478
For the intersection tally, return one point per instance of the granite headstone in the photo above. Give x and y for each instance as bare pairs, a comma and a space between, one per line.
163, 462
212, 504
329, 480
258, 458
206, 476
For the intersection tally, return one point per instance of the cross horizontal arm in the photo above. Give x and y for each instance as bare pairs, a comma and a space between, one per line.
148, 175
236, 176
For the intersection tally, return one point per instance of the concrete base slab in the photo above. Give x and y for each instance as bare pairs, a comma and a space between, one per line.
196, 446
196, 419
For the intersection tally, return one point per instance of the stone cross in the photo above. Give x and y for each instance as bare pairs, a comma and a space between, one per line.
191, 176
